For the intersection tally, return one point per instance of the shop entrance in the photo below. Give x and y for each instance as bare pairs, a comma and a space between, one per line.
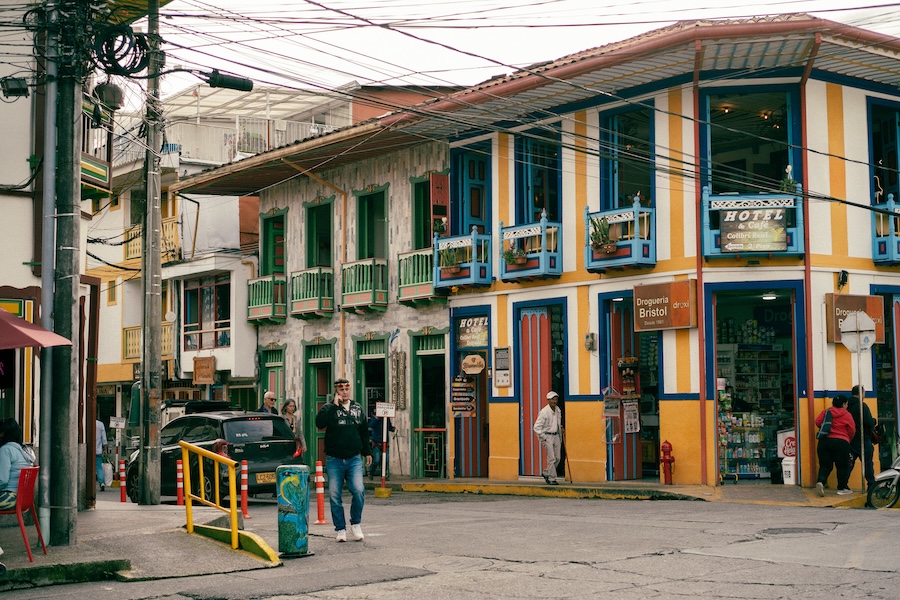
886, 369
755, 370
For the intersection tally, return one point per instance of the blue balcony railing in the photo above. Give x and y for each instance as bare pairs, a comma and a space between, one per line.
312, 293
886, 233
462, 260
753, 224
530, 251
632, 235
364, 285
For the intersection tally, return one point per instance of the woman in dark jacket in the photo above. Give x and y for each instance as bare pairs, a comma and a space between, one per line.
834, 450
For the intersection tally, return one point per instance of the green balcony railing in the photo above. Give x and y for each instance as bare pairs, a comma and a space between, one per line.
416, 273
267, 299
312, 293
364, 285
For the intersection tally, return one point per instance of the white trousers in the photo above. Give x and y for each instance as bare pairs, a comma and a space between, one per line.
551, 445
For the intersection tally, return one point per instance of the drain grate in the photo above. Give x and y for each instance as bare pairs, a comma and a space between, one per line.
790, 530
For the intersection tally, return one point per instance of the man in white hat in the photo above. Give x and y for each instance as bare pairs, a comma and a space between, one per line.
549, 430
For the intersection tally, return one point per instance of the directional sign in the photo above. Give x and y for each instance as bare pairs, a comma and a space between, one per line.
858, 332
385, 409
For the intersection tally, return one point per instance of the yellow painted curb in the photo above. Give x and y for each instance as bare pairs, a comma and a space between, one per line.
248, 542
382, 492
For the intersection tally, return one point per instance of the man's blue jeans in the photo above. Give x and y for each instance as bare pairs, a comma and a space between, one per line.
348, 470
101, 478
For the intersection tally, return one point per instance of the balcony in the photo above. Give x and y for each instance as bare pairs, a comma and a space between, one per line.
752, 224
631, 240
133, 242
886, 233
364, 285
267, 300
530, 251
312, 293
416, 269
132, 341
462, 260
170, 241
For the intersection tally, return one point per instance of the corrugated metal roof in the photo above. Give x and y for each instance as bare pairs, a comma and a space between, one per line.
742, 47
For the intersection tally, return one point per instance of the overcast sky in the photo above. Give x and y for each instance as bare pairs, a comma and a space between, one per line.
325, 43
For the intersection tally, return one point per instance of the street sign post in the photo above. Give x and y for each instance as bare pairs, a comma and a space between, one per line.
858, 335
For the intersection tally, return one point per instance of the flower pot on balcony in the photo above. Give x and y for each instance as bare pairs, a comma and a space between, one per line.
605, 247
450, 269
521, 260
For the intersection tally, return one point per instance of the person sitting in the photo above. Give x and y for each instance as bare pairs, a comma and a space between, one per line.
13, 458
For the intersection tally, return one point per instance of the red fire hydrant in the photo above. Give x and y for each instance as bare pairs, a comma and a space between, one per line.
667, 461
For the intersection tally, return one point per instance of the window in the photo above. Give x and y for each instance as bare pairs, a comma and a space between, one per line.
537, 178
372, 226
207, 313
750, 138
137, 206
626, 158
319, 231
431, 204
422, 225
112, 287
272, 260
471, 188
885, 126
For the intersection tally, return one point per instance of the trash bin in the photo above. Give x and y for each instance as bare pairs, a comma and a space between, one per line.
777, 478
789, 470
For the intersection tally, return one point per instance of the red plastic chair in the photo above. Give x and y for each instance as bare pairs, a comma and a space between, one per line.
24, 503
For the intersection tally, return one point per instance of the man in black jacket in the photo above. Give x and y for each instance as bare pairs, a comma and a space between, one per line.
346, 441
863, 429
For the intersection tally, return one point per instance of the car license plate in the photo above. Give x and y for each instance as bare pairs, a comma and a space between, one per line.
265, 478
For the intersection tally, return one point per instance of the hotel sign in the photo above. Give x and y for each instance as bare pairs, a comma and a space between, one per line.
838, 306
670, 305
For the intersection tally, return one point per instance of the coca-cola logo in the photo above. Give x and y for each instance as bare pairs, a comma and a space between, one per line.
790, 446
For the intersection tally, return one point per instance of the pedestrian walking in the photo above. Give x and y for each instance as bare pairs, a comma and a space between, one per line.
834, 450
549, 429
865, 426
99, 451
295, 422
268, 405
346, 442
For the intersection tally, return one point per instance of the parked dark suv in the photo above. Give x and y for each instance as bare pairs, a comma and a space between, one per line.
265, 441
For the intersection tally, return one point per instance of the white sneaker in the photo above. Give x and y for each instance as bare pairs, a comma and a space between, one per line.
844, 492
820, 489
342, 535
356, 532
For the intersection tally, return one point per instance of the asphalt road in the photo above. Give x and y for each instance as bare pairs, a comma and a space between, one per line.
439, 546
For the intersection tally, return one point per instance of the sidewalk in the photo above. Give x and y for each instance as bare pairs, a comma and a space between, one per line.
129, 542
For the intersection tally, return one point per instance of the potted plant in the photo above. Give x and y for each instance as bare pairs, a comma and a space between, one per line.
448, 260
514, 254
600, 237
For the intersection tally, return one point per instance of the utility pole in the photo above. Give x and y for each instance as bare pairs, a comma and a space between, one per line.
64, 404
151, 278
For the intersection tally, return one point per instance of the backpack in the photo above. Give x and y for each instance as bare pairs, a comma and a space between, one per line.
825, 427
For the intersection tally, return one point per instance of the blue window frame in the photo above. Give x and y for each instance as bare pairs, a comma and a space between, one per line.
627, 159
470, 190
538, 178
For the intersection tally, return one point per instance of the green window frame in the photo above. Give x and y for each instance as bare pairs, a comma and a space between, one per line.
319, 233
272, 246
372, 224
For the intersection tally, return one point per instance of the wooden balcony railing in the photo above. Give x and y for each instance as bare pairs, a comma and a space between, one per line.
415, 272
132, 341
133, 242
267, 299
886, 232
632, 234
312, 293
462, 260
170, 249
533, 249
364, 285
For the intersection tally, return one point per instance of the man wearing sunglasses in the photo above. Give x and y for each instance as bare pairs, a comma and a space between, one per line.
346, 442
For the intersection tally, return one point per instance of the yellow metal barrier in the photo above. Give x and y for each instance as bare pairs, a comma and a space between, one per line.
190, 497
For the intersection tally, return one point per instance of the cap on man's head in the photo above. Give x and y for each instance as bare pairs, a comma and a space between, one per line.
552, 394
270, 395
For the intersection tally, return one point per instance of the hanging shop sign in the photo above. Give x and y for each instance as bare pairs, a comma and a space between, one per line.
204, 370
462, 396
671, 305
472, 332
839, 306
753, 230
473, 364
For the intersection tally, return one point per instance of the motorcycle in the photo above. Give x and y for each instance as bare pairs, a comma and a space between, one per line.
885, 492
